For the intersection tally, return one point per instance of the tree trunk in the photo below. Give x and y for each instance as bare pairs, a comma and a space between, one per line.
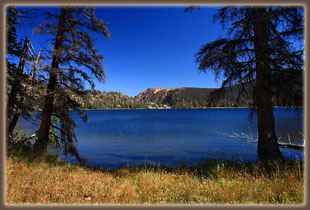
18, 112
14, 91
43, 133
14, 121
268, 148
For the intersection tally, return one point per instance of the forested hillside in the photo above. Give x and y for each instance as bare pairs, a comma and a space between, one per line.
95, 99
153, 98
164, 98
175, 98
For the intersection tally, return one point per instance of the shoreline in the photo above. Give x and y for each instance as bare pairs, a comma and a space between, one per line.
187, 108
213, 182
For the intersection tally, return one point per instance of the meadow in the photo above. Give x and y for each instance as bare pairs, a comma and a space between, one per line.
45, 179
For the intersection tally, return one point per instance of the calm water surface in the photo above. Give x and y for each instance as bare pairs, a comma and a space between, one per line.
115, 138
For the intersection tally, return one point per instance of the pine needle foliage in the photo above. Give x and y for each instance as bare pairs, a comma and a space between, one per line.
18, 80
264, 53
75, 61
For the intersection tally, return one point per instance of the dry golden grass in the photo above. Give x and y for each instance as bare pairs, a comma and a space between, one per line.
54, 182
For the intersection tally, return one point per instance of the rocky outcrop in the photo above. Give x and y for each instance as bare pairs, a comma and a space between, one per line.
153, 95
168, 96
190, 96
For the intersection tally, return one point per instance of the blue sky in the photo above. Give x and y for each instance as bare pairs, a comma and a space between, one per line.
153, 47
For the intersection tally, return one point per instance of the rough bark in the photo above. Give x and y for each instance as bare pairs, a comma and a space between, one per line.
43, 133
16, 85
268, 147
13, 122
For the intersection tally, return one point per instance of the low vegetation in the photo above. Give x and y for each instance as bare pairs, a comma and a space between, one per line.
45, 179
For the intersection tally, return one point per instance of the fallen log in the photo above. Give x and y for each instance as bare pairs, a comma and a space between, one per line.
300, 147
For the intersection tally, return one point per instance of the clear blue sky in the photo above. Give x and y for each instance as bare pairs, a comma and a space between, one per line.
153, 47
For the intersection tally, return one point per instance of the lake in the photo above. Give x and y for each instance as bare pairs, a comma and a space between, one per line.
116, 138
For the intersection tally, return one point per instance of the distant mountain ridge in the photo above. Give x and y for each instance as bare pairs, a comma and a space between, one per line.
164, 98
160, 98
190, 96
154, 95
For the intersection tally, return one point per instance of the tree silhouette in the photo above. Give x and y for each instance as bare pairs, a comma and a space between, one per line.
263, 53
74, 60
17, 78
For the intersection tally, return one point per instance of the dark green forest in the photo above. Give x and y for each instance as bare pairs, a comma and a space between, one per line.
177, 98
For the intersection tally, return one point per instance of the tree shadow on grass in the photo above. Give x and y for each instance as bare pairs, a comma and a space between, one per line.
210, 168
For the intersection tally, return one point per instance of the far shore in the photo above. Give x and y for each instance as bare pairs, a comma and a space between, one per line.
216, 107
190, 108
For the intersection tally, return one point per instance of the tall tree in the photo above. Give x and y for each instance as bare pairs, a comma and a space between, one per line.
16, 84
263, 51
74, 60
27, 102
16, 76
13, 51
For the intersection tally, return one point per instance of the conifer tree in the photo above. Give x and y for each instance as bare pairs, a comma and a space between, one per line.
12, 51
264, 53
17, 78
74, 61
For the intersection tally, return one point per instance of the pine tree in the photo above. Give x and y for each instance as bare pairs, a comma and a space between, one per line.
13, 51
264, 45
73, 57
17, 78
13, 47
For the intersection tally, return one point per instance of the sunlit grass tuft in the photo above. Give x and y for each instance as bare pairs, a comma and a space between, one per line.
48, 180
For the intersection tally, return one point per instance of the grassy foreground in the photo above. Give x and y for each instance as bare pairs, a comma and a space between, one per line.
47, 180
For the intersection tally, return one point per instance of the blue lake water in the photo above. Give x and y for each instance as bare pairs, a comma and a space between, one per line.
115, 138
